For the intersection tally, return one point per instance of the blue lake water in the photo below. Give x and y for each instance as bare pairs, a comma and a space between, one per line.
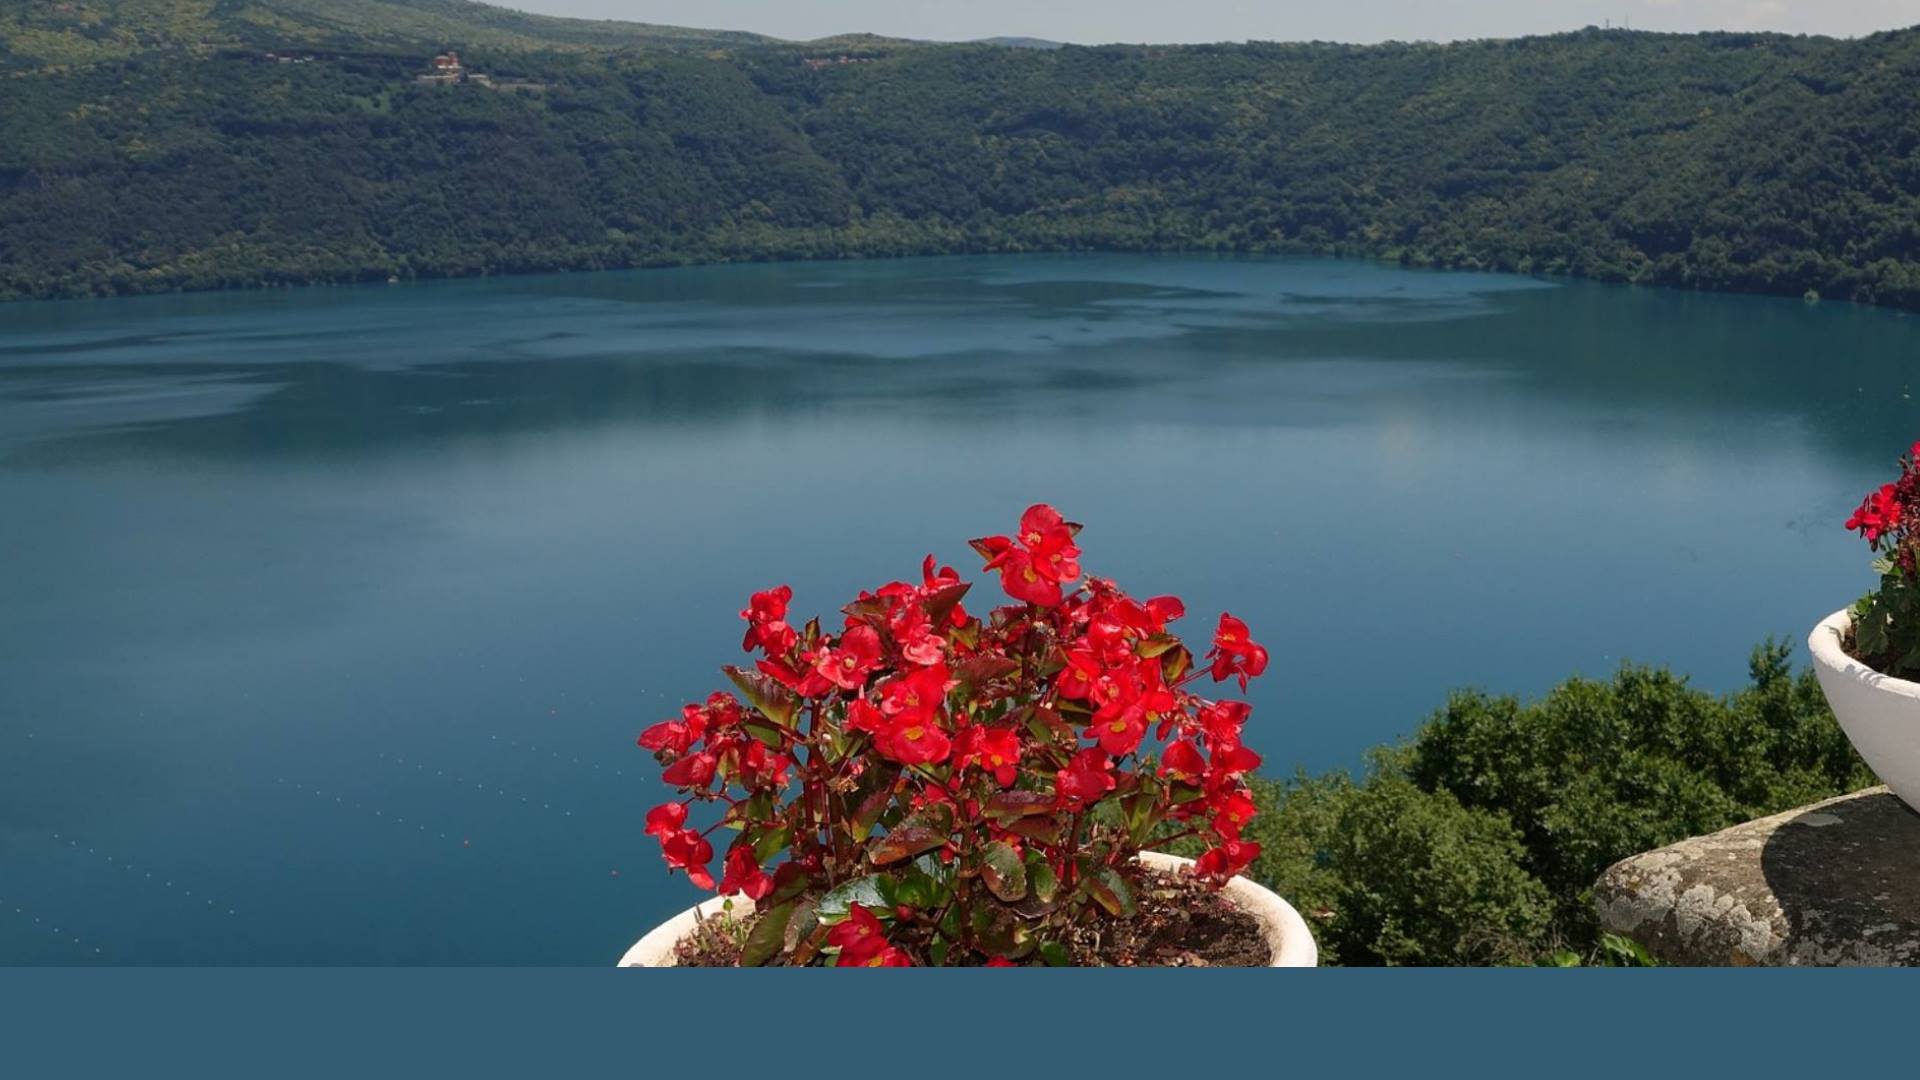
328, 617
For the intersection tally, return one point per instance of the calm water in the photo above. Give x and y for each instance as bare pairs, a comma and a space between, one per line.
327, 618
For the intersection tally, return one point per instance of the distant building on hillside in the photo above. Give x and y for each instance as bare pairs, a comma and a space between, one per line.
447, 70
443, 70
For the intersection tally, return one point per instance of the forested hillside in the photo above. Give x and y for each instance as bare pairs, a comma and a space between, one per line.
147, 145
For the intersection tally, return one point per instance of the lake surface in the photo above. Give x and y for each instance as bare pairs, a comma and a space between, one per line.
328, 617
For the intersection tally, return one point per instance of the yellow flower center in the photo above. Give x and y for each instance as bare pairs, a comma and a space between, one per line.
914, 733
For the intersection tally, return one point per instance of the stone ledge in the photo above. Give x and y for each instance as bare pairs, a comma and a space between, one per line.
1837, 882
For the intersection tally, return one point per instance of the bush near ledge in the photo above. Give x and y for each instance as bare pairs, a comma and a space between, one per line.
1478, 840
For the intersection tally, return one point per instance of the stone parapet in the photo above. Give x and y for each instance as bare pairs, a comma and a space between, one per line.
1837, 882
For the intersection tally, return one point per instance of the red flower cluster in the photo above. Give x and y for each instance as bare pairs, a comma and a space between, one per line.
1887, 517
980, 783
1886, 622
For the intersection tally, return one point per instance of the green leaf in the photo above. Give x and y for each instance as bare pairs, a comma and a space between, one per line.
1041, 878
924, 884
1055, 954
768, 936
1142, 810
770, 843
775, 701
999, 932
874, 803
1107, 813
1174, 665
1111, 892
766, 732
864, 891
934, 867
1157, 644
801, 925
1048, 724
1005, 875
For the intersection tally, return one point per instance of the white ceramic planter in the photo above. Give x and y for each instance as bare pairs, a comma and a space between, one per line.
1285, 930
1879, 713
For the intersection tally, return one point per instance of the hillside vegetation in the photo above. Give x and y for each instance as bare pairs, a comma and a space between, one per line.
148, 145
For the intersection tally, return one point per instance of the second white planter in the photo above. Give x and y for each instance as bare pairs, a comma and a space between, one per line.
1879, 713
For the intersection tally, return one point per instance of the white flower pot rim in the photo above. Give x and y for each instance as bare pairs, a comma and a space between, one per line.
1286, 932
1880, 713
1826, 644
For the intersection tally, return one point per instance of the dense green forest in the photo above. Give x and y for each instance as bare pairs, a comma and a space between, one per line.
1478, 840
152, 145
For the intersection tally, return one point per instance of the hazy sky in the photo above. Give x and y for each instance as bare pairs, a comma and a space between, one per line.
1096, 21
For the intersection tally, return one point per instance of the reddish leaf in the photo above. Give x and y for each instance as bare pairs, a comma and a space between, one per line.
1008, 805
944, 600
982, 669
903, 842
1041, 830
775, 701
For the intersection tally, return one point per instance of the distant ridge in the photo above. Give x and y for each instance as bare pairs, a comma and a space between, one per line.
1021, 42
80, 31
150, 145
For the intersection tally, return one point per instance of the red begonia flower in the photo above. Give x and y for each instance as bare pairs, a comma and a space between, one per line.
847, 665
743, 874
688, 850
676, 736
666, 818
918, 695
1235, 652
692, 771
803, 680
913, 740
1183, 760
1121, 733
1226, 860
995, 749
1878, 514
1087, 776
859, 937
1232, 810
766, 616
